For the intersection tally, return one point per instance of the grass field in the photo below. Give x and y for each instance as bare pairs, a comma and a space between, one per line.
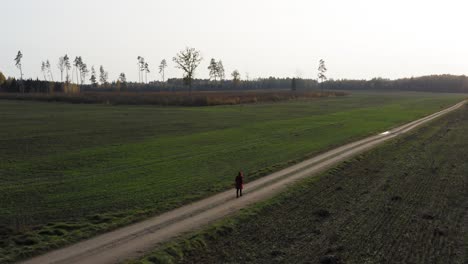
70, 171
404, 202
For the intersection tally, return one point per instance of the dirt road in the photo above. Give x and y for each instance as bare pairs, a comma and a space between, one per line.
134, 240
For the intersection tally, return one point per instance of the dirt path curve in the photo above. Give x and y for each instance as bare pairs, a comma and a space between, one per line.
134, 240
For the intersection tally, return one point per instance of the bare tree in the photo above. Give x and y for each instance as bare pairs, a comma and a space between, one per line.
213, 67
321, 72
49, 70
66, 60
43, 70
61, 67
18, 64
188, 61
220, 70
162, 67
103, 75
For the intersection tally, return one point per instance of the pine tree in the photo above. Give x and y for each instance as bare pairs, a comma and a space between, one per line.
93, 78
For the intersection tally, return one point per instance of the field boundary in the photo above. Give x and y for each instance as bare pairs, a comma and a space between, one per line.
196, 99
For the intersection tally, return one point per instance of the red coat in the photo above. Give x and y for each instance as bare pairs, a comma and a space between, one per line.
240, 182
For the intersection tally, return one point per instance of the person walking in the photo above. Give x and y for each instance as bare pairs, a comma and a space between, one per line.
239, 184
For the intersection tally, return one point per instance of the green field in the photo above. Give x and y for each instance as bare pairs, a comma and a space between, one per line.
69, 171
404, 202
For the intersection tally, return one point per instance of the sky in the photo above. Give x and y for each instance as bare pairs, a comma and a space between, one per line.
358, 39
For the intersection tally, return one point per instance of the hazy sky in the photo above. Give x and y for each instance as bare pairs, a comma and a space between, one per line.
357, 39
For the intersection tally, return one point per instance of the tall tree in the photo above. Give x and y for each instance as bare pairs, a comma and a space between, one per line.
123, 78
121, 81
141, 68
44, 70
321, 72
162, 67
61, 67
147, 70
66, 61
103, 75
83, 72
18, 64
220, 70
188, 61
49, 70
235, 77
93, 78
77, 64
213, 68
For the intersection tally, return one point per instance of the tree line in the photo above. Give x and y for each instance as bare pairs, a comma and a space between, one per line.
187, 60
73, 76
431, 83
